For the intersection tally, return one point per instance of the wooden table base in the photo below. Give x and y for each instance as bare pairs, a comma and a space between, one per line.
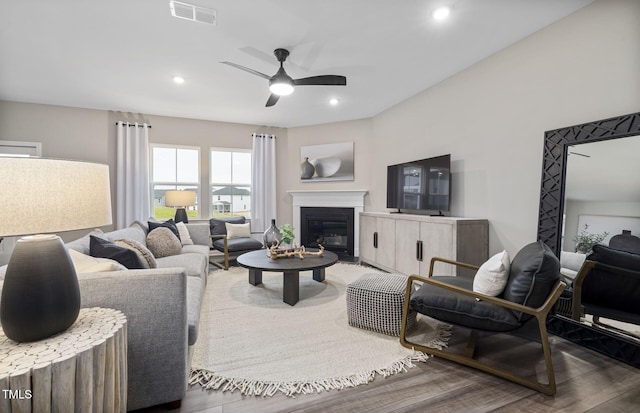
83, 369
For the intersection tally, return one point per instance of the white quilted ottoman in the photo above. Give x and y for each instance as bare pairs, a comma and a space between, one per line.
374, 302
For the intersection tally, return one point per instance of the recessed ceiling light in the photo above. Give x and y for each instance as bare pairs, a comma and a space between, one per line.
179, 80
333, 101
441, 13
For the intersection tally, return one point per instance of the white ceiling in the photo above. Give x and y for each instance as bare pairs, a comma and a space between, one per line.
121, 55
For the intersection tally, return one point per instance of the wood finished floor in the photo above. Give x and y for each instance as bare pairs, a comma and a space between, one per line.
587, 382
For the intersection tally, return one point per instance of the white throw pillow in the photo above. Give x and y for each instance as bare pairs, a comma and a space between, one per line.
492, 276
238, 230
185, 237
85, 263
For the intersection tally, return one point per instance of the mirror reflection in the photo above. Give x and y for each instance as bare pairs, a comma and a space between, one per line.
602, 207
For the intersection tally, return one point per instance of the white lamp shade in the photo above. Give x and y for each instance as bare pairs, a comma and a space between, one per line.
179, 198
50, 195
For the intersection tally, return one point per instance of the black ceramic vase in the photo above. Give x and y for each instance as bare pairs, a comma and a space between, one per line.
40, 296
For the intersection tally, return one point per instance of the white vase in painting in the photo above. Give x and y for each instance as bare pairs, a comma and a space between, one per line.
326, 167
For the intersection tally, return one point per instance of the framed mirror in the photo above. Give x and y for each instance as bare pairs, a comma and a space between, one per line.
562, 148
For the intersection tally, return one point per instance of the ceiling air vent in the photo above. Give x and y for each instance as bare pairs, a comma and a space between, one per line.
191, 12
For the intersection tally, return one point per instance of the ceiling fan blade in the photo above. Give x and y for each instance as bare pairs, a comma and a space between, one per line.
329, 80
272, 100
246, 69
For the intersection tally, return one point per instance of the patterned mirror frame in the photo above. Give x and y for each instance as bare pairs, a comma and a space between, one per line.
556, 144
552, 192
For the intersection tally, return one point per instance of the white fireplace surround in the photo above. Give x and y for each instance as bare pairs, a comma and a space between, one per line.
330, 199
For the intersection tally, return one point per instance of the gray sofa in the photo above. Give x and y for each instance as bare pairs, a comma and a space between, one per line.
162, 306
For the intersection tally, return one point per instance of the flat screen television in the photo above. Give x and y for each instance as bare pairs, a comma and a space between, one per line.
420, 185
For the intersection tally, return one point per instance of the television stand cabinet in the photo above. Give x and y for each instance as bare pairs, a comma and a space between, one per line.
405, 243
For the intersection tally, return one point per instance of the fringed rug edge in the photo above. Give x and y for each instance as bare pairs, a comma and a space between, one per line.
251, 387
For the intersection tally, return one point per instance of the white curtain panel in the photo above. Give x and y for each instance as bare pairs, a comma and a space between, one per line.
263, 180
132, 180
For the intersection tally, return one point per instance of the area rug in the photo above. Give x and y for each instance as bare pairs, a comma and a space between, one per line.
250, 341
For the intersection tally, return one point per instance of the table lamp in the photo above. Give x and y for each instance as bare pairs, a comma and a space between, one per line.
180, 199
40, 295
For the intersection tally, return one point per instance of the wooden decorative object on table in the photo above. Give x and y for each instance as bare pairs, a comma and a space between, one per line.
275, 252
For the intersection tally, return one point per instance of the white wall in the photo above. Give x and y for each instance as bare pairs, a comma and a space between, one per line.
492, 117
573, 210
90, 135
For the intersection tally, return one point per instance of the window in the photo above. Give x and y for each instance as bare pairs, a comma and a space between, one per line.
230, 182
174, 167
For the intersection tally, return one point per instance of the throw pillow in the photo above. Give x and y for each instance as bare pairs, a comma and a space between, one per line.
492, 276
166, 224
146, 257
85, 263
185, 237
101, 248
163, 243
238, 230
82, 244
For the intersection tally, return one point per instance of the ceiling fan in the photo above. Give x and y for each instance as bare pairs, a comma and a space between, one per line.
281, 84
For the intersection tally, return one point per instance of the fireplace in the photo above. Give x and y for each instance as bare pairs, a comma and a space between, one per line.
331, 227
341, 198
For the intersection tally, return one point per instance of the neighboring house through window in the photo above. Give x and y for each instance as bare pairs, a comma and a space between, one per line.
174, 167
230, 182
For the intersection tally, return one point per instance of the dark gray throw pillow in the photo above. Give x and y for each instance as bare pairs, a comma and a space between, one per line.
166, 224
101, 248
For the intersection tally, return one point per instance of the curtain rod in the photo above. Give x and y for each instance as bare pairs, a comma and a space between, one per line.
131, 124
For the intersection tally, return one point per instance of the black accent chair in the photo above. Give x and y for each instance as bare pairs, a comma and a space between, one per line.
608, 286
532, 289
230, 247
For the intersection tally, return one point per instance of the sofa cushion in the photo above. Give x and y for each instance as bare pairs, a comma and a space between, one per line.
615, 271
146, 257
170, 224
82, 244
196, 249
86, 263
195, 291
162, 242
615, 257
238, 244
102, 248
460, 309
134, 232
534, 272
194, 265
218, 226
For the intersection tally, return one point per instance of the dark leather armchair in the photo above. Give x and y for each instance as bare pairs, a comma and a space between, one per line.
230, 247
608, 286
532, 288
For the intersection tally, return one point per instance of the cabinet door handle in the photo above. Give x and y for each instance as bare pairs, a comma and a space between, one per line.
375, 240
419, 250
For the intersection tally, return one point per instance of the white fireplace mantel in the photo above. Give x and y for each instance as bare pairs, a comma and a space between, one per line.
330, 199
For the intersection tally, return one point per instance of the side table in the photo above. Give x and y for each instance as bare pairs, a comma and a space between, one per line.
83, 369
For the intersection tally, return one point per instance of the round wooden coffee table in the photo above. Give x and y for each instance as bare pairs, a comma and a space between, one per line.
257, 262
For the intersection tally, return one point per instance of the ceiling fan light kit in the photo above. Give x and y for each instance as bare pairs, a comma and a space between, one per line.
281, 84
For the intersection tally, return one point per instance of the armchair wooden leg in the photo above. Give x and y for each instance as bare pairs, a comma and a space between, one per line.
226, 254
